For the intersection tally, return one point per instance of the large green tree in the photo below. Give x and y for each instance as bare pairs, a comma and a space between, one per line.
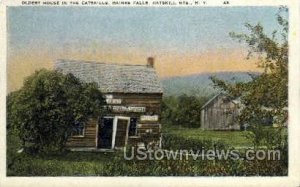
183, 110
267, 94
44, 111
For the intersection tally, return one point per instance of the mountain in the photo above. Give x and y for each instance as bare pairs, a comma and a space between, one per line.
200, 84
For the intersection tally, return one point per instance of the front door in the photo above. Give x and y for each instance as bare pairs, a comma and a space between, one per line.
105, 134
113, 132
122, 131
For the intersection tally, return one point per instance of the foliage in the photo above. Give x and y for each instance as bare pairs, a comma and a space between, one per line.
113, 164
174, 142
116, 166
235, 139
183, 110
268, 137
44, 111
267, 94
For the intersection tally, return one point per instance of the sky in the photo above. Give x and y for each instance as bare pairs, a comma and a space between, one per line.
183, 41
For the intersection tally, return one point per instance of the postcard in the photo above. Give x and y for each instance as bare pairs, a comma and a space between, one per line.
144, 93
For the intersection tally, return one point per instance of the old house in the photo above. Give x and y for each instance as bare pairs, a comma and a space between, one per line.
133, 96
220, 113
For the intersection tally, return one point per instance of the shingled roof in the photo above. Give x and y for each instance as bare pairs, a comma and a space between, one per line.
113, 78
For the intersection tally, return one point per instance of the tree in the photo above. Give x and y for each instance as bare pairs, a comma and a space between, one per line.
267, 94
183, 110
44, 111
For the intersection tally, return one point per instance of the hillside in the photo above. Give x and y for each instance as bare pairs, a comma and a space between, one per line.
200, 84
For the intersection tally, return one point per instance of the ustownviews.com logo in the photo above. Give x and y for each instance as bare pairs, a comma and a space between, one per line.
159, 154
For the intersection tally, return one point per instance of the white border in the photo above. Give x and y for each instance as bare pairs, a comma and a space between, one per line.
293, 178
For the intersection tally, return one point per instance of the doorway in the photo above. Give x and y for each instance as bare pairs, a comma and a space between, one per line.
113, 132
105, 133
121, 133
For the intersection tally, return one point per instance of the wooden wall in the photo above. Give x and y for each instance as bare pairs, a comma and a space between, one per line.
89, 138
152, 103
220, 114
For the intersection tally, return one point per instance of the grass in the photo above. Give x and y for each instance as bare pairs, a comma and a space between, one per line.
233, 138
68, 164
113, 164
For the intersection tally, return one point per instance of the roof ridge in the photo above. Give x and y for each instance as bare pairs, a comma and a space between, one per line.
125, 78
97, 62
211, 99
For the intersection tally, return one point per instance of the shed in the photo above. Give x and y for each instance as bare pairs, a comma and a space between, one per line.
220, 113
133, 96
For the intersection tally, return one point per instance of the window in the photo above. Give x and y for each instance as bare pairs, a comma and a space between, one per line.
78, 129
132, 127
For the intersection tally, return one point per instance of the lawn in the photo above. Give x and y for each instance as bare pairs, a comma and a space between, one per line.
113, 164
236, 139
66, 164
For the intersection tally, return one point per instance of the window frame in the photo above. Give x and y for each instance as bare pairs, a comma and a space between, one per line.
136, 125
80, 135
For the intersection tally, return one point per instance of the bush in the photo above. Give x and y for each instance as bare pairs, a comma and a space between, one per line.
113, 164
267, 136
44, 111
173, 142
182, 110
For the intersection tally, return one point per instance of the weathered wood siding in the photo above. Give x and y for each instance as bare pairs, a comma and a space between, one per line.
220, 114
89, 138
121, 133
152, 104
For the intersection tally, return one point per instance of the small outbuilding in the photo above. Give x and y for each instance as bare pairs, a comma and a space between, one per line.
220, 113
133, 96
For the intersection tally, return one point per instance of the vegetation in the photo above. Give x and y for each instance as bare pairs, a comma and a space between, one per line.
45, 110
182, 111
173, 142
266, 96
42, 114
113, 164
235, 139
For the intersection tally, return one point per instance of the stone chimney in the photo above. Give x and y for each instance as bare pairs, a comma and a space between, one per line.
150, 62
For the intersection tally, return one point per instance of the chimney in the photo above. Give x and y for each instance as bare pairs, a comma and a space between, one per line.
150, 62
